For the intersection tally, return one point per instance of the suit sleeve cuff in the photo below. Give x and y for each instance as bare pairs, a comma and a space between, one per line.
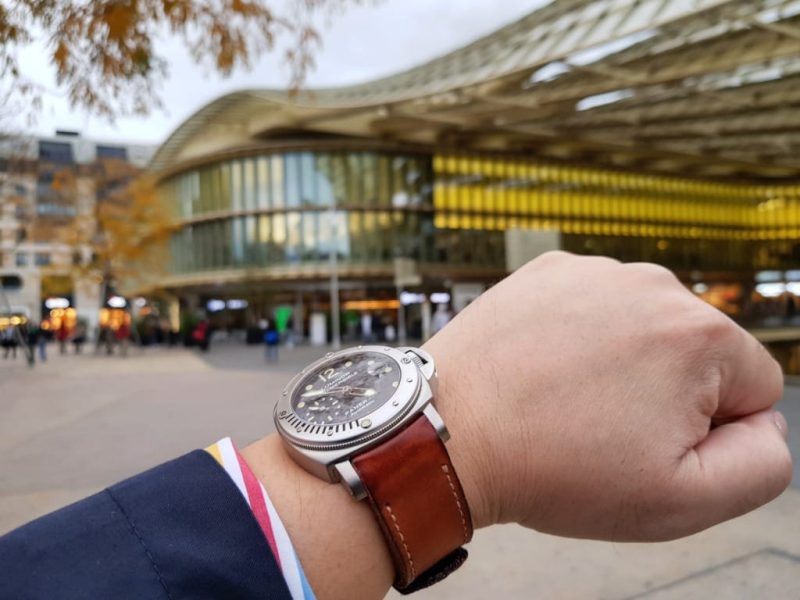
254, 493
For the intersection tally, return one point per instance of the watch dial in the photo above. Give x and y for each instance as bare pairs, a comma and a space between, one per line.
346, 388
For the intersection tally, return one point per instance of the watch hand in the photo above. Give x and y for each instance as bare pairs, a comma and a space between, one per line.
356, 391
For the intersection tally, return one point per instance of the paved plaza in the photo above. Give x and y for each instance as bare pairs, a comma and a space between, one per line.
77, 423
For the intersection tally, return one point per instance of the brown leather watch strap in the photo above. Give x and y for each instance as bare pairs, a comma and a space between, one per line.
414, 492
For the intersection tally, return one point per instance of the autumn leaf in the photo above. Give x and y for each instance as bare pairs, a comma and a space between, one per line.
60, 56
103, 51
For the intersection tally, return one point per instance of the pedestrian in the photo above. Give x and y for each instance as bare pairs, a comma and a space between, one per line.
62, 335
290, 333
80, 336
8, 340
106, 339
37, 341
366, 328
440, 318
122, 336
202, 335
24, 336
272, 340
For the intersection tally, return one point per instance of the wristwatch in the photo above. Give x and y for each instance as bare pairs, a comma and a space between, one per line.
365, 417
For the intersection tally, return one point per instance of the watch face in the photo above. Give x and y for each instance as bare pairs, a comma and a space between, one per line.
346, 388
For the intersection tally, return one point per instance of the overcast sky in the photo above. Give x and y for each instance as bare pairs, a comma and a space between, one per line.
361, 44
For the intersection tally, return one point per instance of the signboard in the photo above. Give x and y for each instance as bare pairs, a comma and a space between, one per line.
10, 281
523, 245
317, 329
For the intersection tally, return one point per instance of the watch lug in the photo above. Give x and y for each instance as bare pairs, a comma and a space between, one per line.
350, 479
438, 423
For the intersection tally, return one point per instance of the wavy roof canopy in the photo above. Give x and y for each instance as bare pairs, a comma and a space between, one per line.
703, 87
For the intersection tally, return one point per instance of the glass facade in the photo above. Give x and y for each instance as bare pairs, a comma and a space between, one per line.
289, 208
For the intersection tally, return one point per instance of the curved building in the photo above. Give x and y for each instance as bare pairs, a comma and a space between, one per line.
658, 130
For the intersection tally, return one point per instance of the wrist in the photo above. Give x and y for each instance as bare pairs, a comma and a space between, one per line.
336, 539
469, 447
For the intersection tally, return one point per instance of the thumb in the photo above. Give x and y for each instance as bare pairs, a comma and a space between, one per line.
738, 467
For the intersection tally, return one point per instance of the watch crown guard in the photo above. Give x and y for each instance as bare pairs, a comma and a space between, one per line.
416, 359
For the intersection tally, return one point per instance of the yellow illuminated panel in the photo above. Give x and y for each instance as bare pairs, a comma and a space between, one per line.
493, 192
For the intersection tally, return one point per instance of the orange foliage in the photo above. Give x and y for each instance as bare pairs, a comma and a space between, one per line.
119, 230
104, 55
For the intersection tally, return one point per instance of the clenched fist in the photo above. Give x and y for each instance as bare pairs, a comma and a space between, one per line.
595, 399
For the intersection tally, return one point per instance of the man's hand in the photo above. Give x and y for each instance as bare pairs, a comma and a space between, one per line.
595, 399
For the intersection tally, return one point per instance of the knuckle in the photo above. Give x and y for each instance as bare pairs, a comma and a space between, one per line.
550, 258
560, 258
600, 260
713, 329
653, 271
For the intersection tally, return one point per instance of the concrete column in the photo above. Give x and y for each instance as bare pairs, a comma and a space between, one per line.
426, 320
87, 300
298, 317
174, 313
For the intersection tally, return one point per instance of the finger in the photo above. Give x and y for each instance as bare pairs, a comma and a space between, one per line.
738, 467
751, 379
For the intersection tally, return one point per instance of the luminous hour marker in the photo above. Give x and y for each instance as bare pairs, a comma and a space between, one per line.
349, 363
302, 404
310, 417
370, 362
330, 418
387, 370
394, 384
309, 387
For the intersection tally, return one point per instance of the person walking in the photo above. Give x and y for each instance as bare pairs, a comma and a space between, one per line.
290, 333
8, 340
441, 318
202, 335
272, 339
366, 328
36, 341
62, 335
41, 343
80, 336
122, 336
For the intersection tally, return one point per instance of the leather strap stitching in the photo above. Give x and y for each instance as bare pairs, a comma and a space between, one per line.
403, 540
446, 470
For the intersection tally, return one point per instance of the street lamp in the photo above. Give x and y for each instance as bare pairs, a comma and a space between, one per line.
333, 253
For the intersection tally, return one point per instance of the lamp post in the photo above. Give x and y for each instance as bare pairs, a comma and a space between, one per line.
336, 340
405, 275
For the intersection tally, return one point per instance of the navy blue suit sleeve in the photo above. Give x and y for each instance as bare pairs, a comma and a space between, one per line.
179, 531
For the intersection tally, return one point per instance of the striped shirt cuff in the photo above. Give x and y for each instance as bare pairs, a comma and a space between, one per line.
257, 498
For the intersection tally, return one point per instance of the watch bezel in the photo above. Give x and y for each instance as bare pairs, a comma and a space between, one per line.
356, 431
